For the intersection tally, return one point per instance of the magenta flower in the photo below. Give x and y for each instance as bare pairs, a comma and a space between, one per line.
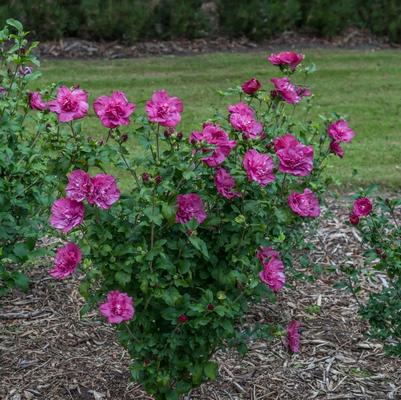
362, 207
225, 183
286, 59
286, 90
118, 307
66, 261
303, 91
66, 214
70, 104
251, 87
293, 336
273, 274
113, 111
336, 149
79, 185
304, 204
241, 108
36, 102
182, 319
258, 167
163, 109
282, 142
264, 254
295, 158
339, 131
190, 206
220, 141
104, 191
242, 119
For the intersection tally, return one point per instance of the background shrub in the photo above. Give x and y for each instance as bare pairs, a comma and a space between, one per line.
131, 20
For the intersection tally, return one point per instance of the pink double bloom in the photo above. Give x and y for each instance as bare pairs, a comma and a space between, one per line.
67, 259
339, 132
189, 206
287, 90
118, 307
295, 157
101, 190
242, 119
304, 204
259, 167
288, 59
36, 102
218, 139
225, 184
70, 104
163, 109
115, 110
66, 214
273, 268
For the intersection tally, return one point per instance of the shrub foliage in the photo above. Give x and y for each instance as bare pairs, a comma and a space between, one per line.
257, 19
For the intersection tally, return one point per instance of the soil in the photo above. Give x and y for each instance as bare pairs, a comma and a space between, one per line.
48, 352
83, 49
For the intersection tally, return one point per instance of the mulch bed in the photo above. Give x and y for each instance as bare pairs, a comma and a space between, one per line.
47, 352
84, 49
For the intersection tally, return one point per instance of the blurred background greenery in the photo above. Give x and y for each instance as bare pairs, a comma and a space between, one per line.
131, 20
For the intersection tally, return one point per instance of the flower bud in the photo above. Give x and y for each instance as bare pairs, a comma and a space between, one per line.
182, 319
354, 219
210, 307
158, 180
180, 135
252, 86
123, 137
145, 177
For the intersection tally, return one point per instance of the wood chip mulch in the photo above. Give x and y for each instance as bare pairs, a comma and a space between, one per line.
87, 49
48, 352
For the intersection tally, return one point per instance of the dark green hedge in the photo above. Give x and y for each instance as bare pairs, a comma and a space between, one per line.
132, 20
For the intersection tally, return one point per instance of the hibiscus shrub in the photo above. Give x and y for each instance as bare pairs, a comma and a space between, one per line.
36, 151
204, 230
378, 222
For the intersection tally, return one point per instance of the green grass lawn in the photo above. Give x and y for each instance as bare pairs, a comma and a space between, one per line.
366, 85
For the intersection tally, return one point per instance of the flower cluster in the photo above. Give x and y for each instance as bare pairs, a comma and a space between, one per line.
362, 208
69, 212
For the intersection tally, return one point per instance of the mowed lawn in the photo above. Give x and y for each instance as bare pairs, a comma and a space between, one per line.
365, 85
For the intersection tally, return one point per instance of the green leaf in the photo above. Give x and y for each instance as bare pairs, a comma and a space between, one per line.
21, 251
211, 369
200, 245
197, 373
122, 278
16, 24
153, 213
21, 280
